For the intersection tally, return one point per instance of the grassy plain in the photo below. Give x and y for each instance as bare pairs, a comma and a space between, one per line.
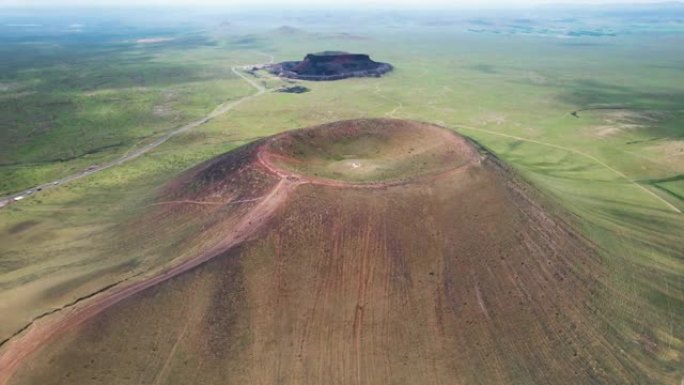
619, 170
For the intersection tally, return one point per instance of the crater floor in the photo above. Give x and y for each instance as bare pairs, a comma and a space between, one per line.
367, 151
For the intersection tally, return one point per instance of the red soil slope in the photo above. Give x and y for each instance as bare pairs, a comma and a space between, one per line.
452, 275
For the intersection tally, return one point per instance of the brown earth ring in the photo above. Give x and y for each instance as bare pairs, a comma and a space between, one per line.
265, 158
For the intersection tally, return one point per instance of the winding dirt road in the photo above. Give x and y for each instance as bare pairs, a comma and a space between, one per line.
220, 110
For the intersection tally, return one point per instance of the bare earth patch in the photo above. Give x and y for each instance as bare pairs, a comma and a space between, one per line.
623, 120
671, 148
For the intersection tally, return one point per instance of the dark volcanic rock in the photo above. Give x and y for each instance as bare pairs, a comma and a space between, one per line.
330, 66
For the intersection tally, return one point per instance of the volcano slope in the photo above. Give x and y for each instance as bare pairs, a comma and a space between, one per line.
357, 252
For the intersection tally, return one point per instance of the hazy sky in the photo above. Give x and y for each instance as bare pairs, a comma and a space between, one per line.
319, 3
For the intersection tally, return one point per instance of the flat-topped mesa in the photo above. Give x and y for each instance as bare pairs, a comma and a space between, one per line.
330, 65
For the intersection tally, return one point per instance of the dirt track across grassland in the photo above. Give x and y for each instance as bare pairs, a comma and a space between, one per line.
93, 169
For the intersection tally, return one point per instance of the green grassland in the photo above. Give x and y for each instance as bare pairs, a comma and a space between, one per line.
82, 106
618, 171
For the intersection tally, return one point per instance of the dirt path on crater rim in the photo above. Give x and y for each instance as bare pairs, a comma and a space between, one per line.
265, 159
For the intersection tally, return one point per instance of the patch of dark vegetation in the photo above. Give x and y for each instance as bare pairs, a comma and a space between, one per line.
88, 152
294, 90
644, 140
330, 65
10, 263
22, 226
668, 191
594, 108
675, 178
657, 110
484, 68
246, 42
